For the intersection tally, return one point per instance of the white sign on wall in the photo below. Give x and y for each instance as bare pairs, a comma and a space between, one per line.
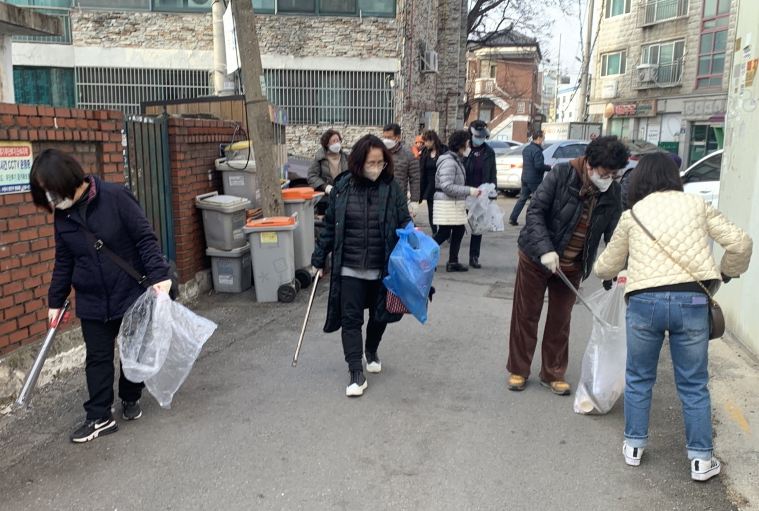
653, 133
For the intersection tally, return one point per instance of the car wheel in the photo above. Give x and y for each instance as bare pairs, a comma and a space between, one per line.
511, 193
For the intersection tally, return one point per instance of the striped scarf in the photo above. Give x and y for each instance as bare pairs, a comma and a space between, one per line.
571, 259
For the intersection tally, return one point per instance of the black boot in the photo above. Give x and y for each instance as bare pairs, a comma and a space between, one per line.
455, 267
474, 262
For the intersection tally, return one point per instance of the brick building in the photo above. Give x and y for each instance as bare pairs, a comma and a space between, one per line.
504, 85
354, 65
661, 72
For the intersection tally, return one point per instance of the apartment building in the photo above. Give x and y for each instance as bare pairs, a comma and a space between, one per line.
352, 65
661, 72
504, 86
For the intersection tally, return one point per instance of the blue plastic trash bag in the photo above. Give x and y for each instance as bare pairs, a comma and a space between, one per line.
411, 269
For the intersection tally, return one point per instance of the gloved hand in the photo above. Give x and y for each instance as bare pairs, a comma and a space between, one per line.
319, 272
726, 279
550, 260
413, 207
607, 285
52, 316
475, 192
328, 189
164, 286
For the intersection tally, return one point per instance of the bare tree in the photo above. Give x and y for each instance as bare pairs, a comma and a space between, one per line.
511, 86
491, 18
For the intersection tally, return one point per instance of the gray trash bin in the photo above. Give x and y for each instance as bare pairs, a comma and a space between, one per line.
223, 220
239, 178
232, 270
301, 201
271, 246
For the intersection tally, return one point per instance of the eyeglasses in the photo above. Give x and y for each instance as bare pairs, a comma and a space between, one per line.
605, 173
376, 165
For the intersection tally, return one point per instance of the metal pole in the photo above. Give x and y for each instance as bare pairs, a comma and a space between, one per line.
219, 50
556, 85
579, 296
308, 313
584, 81
31, 379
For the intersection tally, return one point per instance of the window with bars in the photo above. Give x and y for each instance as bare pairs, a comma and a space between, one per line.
712, 46
373, 8
359, 98
125, 88
669, 58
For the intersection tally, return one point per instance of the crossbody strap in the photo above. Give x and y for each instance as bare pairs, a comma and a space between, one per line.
98, 244
658, 243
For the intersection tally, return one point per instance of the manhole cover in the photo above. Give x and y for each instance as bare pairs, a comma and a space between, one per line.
502, 290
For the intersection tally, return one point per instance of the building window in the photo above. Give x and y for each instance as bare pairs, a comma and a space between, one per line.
371, 8
485, 114
521, 108
50, 86
182, 5
712, 44
669, 59
356, 98
111, 5
613, 64
617, 7
126, 88
655, 11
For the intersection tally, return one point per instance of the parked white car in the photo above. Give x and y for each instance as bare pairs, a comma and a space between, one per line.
702, 178
509, 165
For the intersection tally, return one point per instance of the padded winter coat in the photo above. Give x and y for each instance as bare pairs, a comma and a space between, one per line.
364, 247
407, 173
451, 191
488, 168
393, 214
683, 223
428, 177
555, 211
533, 164
103, 290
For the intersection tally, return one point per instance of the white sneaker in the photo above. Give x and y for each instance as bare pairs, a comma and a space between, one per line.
632, 454
357, 385
373, 364
703, 470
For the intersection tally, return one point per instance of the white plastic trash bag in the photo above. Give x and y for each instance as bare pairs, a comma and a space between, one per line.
144, 339
177, 335
479, 215
496, 217
602, 380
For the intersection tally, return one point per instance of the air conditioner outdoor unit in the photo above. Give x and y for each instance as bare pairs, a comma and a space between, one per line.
647, 72
429, 62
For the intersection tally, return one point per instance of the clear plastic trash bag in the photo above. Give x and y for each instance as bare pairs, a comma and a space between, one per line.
479, 216
411, 269
602, 380
496, 217
170, 336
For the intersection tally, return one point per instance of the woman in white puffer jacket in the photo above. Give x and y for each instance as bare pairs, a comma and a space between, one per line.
665, 295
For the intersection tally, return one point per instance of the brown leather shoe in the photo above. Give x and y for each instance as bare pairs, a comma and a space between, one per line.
516, 382
560, 388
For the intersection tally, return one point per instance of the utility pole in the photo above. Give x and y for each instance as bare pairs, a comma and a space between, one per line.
257, 108
584, 81
556, 85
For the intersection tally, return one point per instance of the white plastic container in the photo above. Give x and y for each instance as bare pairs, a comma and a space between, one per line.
239, 178
223, 220
271, 246
232, 270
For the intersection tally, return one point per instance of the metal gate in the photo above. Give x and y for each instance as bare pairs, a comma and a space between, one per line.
148, 175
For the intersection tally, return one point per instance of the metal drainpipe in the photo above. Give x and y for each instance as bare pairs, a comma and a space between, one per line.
409, 102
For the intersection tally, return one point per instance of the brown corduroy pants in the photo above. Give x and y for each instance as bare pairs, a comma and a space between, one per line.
529, 290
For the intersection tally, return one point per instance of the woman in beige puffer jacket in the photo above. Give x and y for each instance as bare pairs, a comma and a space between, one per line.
665, 298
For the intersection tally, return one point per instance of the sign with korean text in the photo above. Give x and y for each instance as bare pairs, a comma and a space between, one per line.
15, 164
641, 108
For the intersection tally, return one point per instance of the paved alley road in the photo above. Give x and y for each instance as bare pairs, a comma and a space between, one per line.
436, 430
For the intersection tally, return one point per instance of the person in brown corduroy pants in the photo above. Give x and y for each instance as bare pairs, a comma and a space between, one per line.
577, 204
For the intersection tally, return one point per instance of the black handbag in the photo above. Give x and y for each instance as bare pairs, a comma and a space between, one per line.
716, 317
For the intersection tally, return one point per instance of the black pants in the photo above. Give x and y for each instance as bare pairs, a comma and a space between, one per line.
355, 296
524, 194
456, 232
430, 202
99, 340
474, 245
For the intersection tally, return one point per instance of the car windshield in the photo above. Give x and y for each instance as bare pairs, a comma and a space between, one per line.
497, 144
707, 170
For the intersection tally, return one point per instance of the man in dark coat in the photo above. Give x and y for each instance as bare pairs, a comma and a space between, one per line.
576, 205
533, 169
480, 169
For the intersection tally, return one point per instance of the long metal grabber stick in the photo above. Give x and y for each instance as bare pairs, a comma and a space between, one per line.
308, 313
31, 379
579, 296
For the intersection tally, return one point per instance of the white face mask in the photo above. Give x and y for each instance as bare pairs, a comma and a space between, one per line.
602, 183
372, 173
335, 148
466, 152
389, 143
64, 204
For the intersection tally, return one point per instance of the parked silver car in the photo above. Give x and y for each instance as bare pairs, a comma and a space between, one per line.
509, 165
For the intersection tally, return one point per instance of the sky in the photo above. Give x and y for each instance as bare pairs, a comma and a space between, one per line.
571, 30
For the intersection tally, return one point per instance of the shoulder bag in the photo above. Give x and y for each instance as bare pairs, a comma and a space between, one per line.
716, 317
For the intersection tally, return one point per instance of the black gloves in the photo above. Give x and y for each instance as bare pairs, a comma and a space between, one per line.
607, 285
726, 279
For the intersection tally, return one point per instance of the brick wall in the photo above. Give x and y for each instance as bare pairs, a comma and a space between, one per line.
194, 147
27, 246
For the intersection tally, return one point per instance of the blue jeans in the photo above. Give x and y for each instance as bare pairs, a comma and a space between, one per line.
524, 194
686, 317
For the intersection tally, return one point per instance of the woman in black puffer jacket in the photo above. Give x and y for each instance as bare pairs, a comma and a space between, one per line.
366, 206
